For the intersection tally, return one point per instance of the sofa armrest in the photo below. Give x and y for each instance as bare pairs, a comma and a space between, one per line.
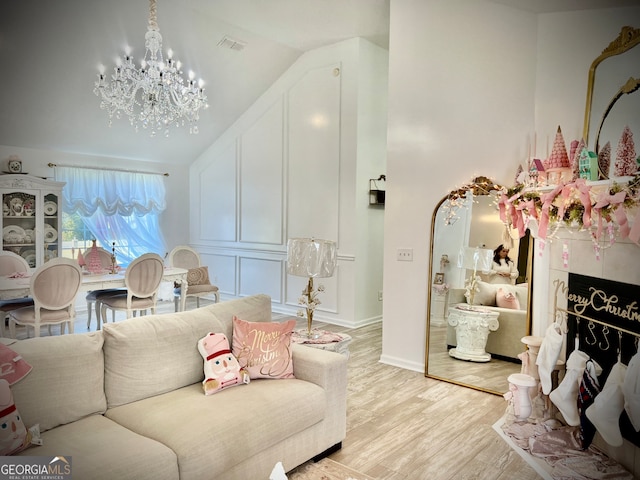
329, 371
324, 368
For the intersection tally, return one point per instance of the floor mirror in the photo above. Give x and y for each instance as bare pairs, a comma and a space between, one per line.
469, 217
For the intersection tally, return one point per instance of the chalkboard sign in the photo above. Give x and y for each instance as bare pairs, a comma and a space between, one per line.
616, 305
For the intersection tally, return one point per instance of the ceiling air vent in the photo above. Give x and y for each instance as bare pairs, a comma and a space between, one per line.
232, 44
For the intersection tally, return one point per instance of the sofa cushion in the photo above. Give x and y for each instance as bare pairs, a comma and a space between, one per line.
154, 354
264, 348
522, 292
66, 382
256, 308
100, 449
507, 299
486, 294
224, 429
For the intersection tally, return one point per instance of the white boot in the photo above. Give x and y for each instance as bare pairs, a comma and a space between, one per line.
565, 397
631, 391
548, 355
607, 407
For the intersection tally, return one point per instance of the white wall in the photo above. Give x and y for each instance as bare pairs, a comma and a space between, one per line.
174, 220
297, 164
461, 104
464, 102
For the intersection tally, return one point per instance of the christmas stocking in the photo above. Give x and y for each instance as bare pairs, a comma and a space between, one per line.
605, 412
548, 355
565, 397
631, 391
589, 389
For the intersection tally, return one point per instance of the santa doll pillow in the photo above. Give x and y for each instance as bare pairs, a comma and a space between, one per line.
221, 368
14, 436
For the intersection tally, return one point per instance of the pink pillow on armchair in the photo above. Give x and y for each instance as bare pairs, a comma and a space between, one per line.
506, 299
264, 348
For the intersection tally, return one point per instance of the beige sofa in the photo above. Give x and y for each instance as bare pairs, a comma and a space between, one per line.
504, 342
127, 402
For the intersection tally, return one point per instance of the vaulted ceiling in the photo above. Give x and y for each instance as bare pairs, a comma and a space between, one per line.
51, 51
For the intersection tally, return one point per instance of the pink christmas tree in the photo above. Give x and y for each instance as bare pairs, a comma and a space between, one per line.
95, 265
559, 157
626, 155
575, 157
574, 149
604, 161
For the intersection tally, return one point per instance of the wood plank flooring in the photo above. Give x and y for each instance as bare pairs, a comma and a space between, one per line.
404, 426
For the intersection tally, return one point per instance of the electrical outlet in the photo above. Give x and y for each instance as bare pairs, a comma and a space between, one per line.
405, 254
379, 295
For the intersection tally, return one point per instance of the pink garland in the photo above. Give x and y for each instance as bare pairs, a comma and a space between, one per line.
511, 210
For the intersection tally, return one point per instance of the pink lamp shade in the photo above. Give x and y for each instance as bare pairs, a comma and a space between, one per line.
309, 257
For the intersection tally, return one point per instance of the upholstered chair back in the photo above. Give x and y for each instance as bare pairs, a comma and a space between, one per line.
12, 263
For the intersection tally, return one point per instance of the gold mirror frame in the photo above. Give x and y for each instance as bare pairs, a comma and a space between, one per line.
628, 38
479, 186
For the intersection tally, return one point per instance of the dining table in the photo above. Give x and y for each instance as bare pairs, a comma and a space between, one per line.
18, 286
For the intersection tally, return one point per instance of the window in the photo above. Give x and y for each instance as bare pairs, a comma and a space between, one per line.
118, 209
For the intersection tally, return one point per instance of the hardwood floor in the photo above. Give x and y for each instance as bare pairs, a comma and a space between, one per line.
404, 426
489, 376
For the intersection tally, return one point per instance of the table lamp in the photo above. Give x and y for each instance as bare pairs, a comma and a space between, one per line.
474, 258
309, 257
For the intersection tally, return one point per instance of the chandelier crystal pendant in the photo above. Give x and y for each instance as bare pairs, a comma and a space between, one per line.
155, 95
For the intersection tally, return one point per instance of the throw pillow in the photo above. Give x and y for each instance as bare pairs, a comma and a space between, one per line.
485, 294
506, 299
198, 276
12, 366
264, 348
221, 368
13, 434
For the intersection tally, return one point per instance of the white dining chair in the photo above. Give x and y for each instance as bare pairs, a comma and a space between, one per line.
142, 280
11, 264
198, 282
54, 286
94, 296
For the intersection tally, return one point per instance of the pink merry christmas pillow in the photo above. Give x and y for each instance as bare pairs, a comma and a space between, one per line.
264, 348
506, 299
221, 368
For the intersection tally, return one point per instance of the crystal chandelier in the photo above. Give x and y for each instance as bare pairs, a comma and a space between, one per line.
154, 95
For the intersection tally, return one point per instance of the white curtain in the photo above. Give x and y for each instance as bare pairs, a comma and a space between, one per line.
120, 207
113, 192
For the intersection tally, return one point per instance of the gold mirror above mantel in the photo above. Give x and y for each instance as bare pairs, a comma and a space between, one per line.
613, 99
468, 216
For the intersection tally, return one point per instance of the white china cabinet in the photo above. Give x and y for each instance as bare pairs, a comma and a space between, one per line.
31, 217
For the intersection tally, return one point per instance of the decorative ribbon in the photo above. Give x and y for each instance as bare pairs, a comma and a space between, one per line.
546, 200
502, 207
585, 199
606, 199
634, 233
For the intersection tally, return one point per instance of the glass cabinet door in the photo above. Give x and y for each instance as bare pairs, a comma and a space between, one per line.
19, 227
51, 246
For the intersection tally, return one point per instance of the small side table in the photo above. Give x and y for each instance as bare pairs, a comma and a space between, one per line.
439, 300
334, 342
472, 325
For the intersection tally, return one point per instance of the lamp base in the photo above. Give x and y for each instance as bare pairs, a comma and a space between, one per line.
309, 334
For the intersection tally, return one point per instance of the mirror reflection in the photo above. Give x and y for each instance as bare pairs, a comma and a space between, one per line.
612, 102
474, 327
